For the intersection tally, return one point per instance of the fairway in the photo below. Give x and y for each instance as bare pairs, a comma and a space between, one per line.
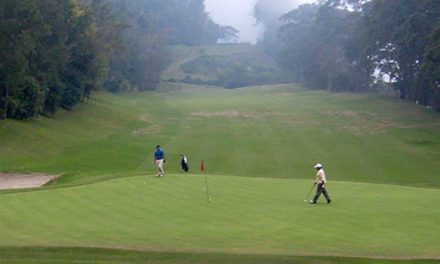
271, 131
259, 145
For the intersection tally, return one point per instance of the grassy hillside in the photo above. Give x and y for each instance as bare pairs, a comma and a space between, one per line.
224, 65
183, 54
276, 132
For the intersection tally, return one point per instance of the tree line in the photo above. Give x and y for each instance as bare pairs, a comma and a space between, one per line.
362, 45
53, 53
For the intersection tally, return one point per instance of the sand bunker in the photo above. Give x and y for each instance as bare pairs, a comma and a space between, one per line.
24, 181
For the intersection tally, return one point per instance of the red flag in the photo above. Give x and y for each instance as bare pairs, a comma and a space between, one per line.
202, 166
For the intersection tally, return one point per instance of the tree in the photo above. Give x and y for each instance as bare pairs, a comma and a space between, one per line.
314, 39
399, 33
431, 71
47, 56
53, 53
351, 44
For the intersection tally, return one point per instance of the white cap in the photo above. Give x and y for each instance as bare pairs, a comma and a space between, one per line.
317, 166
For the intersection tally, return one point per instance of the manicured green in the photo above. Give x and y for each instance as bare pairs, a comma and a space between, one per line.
245, 215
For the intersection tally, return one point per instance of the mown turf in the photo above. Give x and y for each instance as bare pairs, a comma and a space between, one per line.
246, 215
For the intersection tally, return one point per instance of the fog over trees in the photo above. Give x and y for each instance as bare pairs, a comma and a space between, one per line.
241, 15
53, 53
361, 45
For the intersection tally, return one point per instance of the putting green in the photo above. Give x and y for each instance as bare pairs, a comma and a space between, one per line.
246, 215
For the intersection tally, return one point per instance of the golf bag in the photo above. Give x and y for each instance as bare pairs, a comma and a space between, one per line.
184, 163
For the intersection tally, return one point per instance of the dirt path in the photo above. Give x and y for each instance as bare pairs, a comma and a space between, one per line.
24, 181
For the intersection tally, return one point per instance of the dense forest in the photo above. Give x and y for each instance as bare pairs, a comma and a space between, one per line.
53, 53
361, 45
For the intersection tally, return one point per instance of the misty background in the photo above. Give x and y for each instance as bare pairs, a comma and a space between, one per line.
48, 61
240, 14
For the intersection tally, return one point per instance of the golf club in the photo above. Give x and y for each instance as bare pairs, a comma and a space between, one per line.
308, 196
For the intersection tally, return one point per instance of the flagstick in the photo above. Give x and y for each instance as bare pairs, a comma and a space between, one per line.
202, 167
206, 187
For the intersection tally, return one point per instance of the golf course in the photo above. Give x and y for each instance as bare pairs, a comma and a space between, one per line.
258, 145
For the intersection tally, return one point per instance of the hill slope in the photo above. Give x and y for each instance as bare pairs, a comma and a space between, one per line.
226, 65
272, 131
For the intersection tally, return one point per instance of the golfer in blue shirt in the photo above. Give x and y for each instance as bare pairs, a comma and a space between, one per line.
159, 159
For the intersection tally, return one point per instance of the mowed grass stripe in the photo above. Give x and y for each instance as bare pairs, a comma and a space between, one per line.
246, 215
86, 255
93, 255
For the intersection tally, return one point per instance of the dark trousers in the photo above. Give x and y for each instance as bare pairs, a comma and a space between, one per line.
321, 189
